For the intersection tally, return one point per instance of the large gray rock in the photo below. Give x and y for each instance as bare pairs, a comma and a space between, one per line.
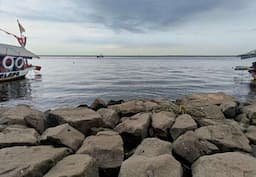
230, 164
151, 147
182, 124
251, 134
97, 104
106, 147
135, 128
162, 122
203, 99
16, 115
80, 118
135, 106
250, 110
229, 108
226, 137
109, 117
78, 165
18, 137
37, 121
206, 115
190, 147
159, 166
29, 161
63, 135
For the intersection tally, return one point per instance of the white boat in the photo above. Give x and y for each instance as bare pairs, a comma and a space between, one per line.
14, 60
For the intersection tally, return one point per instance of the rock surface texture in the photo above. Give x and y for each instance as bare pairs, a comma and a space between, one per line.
200, 135
228, 164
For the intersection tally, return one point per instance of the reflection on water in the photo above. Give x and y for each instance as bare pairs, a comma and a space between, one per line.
15, 89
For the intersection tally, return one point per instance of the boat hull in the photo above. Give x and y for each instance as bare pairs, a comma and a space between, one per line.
14, 75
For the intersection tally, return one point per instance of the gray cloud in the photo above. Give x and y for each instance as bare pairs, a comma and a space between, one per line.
129, 15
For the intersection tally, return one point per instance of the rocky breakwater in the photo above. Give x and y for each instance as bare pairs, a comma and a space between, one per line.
201, 135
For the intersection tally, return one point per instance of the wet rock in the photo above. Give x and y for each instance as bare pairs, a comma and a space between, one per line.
250, 110
78, 165
134, 129
206, 115
162, 122
189, 147
151, 147
29, 161
16, 115
251, 134
63, 135
18, 137
159, 166
229, 108
114, 102
226, 137
203, 99
133, 107
182, 124
80, 118
37, 121
226, 164
106, 147
97, 104
109, 117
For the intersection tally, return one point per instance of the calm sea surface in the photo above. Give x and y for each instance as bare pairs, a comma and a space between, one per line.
71, 81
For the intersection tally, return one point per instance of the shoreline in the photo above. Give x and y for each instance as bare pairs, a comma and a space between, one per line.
183, 138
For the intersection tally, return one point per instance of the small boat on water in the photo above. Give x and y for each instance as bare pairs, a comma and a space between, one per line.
14, 59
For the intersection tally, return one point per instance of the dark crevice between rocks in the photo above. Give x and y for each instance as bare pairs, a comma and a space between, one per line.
52, 120
109, 172
187, 171
114, 102
54, 142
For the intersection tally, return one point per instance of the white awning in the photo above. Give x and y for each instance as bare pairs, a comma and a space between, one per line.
16, 51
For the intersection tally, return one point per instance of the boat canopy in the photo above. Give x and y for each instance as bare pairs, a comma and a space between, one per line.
16, 51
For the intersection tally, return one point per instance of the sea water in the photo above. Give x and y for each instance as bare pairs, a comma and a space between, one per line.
71, 81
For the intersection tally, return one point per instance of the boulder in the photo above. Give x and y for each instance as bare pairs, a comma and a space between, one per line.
106, 147
182, 124
80, 118
37, 121
250, 110
134, 129
251, 134
206, 115
203, 99
78, 165
63, 135
18, 137
135, 106
159, 166
97, 104
29, 161
229, 108
226, 137
151, 147
16, 115
189, 147
162, 122
235, 164
109, 117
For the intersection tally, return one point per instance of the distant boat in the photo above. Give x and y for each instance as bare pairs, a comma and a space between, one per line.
100, 56
14, 60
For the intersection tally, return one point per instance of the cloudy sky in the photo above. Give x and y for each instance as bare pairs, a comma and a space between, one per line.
134, 27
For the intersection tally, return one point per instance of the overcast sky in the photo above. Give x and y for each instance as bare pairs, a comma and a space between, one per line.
132, 26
